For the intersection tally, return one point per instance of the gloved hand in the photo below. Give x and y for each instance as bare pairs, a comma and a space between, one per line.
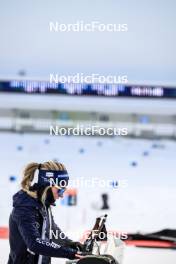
76, 245
72, 254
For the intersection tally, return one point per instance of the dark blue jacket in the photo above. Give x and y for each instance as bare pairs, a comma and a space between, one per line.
25, 231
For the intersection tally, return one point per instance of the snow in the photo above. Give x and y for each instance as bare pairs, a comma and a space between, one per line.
145, 203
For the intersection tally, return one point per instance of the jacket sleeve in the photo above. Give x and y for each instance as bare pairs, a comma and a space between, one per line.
27, 227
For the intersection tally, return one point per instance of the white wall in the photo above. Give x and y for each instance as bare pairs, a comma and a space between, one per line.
85, 103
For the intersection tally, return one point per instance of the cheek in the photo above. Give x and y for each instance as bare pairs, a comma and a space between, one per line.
55, 194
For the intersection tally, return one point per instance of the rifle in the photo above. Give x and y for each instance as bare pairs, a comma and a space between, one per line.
88, 247
95, 233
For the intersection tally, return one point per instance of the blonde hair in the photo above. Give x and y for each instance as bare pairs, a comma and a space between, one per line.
29, 172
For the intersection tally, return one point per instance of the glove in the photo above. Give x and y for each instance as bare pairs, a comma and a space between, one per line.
76, 245
71, 254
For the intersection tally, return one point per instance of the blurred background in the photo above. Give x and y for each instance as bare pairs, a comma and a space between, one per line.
140, 166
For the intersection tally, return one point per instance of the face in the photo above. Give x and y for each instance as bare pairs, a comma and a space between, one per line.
55, 193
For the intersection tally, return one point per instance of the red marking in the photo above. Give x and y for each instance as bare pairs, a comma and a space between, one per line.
4, 232
146, 243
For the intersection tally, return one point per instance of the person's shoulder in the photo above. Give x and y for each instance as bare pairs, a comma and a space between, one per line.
23, 199
24, 207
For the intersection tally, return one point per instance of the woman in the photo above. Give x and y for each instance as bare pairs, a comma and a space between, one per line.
31, 222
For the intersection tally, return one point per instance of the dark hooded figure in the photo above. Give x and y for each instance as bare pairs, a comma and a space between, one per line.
31, 223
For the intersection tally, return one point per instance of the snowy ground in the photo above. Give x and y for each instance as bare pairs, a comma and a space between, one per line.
146, 203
